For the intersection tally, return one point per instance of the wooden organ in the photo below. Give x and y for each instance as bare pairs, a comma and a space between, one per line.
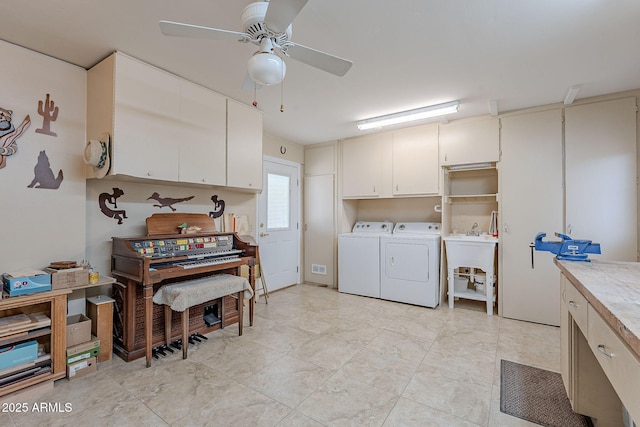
142, 265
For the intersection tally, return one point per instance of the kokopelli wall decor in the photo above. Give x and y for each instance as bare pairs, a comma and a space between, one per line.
218, 207
49, 112
104, 199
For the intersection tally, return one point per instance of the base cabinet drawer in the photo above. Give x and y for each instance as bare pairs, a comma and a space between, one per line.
577, 306
618, 362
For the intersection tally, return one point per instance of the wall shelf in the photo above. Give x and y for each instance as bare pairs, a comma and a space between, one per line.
54, 305
472, 198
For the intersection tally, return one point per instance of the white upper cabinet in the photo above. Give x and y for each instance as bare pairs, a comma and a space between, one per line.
146, 120
166, 128
601, 176
401, 163
244, 146
470, 141
202, 139
415, 161
362, 165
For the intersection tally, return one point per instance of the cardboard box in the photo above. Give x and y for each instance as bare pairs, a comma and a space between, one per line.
83, 351
27, 284
82, 368
68, 278
78, 329
17, 354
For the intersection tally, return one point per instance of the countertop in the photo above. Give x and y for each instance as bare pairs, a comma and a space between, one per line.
613, 289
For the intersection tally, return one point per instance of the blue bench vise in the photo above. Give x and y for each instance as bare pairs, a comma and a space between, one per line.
568, 249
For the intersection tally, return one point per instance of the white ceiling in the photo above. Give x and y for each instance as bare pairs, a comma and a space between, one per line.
406, 53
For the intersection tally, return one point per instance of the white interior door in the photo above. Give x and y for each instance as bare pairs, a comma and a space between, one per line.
531, 147
279, 223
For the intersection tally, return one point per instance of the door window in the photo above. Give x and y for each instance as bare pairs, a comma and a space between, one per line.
278, 202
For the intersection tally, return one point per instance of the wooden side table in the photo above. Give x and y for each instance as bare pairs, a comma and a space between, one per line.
100, 311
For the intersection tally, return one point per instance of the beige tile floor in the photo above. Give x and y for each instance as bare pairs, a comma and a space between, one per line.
316, 357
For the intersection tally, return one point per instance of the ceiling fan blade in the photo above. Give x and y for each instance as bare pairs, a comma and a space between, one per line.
177, 29
281, 13
315, 58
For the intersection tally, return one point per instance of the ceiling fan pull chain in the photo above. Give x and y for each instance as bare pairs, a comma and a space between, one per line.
282, 90
255, 94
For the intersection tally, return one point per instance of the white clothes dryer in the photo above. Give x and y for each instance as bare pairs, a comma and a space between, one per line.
410, 264
359, 258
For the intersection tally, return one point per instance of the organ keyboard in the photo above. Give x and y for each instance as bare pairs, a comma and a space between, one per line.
142, 264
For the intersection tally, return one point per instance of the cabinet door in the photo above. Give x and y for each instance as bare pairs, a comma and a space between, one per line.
565, 338
415, 167
601, 175
147, 121
319, 231
471, 141
531, 202
202, 143
244, 146
362, 165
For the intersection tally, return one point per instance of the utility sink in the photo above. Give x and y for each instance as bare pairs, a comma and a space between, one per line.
470, 251
464, 238
474, 252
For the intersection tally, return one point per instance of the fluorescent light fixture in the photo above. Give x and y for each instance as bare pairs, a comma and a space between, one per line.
571, 94
409, 115
470, 166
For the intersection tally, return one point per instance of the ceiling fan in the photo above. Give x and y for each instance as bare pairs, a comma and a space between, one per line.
268, 25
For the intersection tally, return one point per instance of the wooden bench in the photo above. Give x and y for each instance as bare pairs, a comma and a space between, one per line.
180, 296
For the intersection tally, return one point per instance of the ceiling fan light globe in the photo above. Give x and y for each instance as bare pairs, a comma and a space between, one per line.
266, 68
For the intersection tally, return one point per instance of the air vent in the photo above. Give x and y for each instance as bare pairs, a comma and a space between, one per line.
319, 269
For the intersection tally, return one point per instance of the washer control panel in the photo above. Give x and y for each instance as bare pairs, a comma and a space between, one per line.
417, 228
379, 227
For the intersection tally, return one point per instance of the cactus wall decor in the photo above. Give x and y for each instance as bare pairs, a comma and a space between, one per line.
49, 113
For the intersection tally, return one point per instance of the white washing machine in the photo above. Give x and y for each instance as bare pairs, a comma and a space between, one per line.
410, 264
359, 258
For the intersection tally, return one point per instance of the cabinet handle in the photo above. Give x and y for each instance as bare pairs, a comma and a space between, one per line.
573, 304
149, 174
374, 188
506, 228
393, 261
602, 349
569, 229
396, 187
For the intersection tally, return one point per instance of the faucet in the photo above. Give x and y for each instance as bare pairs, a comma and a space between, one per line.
473, 231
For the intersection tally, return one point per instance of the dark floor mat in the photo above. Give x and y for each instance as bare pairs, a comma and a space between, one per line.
537, 395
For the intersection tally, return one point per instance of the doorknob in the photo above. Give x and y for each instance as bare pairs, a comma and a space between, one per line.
264, 234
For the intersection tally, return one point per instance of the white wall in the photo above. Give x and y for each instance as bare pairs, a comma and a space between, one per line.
42, 225
282, 149
101, 228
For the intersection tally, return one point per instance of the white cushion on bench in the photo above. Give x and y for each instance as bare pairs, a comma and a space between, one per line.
180, 296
